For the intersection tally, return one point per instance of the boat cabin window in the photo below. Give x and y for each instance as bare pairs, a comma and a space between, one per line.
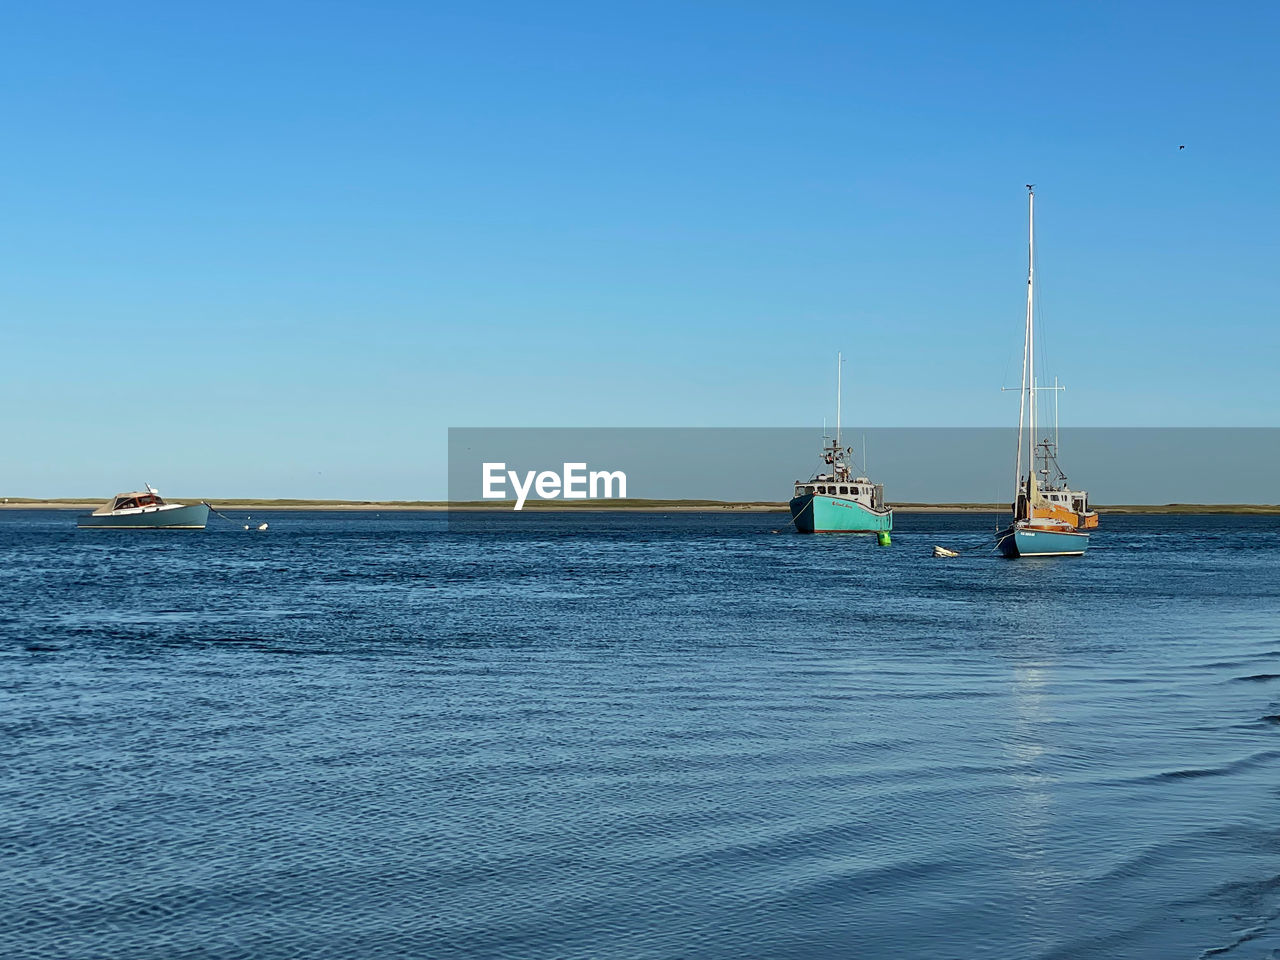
808, 490
145, 500
844, 490
854, 491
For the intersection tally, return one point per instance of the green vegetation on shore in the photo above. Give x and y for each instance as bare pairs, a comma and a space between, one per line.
633, 504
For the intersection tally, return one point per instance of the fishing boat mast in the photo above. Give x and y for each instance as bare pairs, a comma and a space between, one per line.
839, 369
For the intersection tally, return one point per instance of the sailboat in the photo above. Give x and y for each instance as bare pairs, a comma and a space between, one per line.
833, 500
1050, 519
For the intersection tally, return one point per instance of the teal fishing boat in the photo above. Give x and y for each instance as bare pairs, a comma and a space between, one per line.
1050, 519
834, 500
145, 510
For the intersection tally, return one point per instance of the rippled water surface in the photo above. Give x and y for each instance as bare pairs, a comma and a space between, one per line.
630, 736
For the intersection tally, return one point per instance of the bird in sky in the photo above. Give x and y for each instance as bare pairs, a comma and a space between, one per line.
1182, 146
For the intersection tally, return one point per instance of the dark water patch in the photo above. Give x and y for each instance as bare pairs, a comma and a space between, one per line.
1254, 907
1262, 757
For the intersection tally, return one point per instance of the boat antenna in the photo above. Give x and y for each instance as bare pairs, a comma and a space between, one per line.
1056, 391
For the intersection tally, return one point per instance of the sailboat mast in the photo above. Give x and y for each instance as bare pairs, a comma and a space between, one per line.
1031, 324
1026, 343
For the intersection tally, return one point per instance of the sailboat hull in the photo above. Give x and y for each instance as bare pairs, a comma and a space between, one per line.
815, 513
1021, 541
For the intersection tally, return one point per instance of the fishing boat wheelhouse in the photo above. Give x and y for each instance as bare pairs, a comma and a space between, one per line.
858, 489
1048, 500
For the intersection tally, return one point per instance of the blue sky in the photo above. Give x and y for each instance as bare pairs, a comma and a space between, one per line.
277, 249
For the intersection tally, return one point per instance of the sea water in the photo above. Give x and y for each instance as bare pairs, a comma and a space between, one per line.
637, 736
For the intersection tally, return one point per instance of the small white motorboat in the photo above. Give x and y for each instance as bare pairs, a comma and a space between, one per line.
145, 510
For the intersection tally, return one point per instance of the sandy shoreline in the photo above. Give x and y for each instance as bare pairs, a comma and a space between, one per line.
635, 506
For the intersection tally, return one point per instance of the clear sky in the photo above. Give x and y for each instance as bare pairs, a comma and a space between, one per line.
275, 249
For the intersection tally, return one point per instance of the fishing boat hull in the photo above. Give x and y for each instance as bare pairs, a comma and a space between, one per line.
1022, 541
815, 513
187, 517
